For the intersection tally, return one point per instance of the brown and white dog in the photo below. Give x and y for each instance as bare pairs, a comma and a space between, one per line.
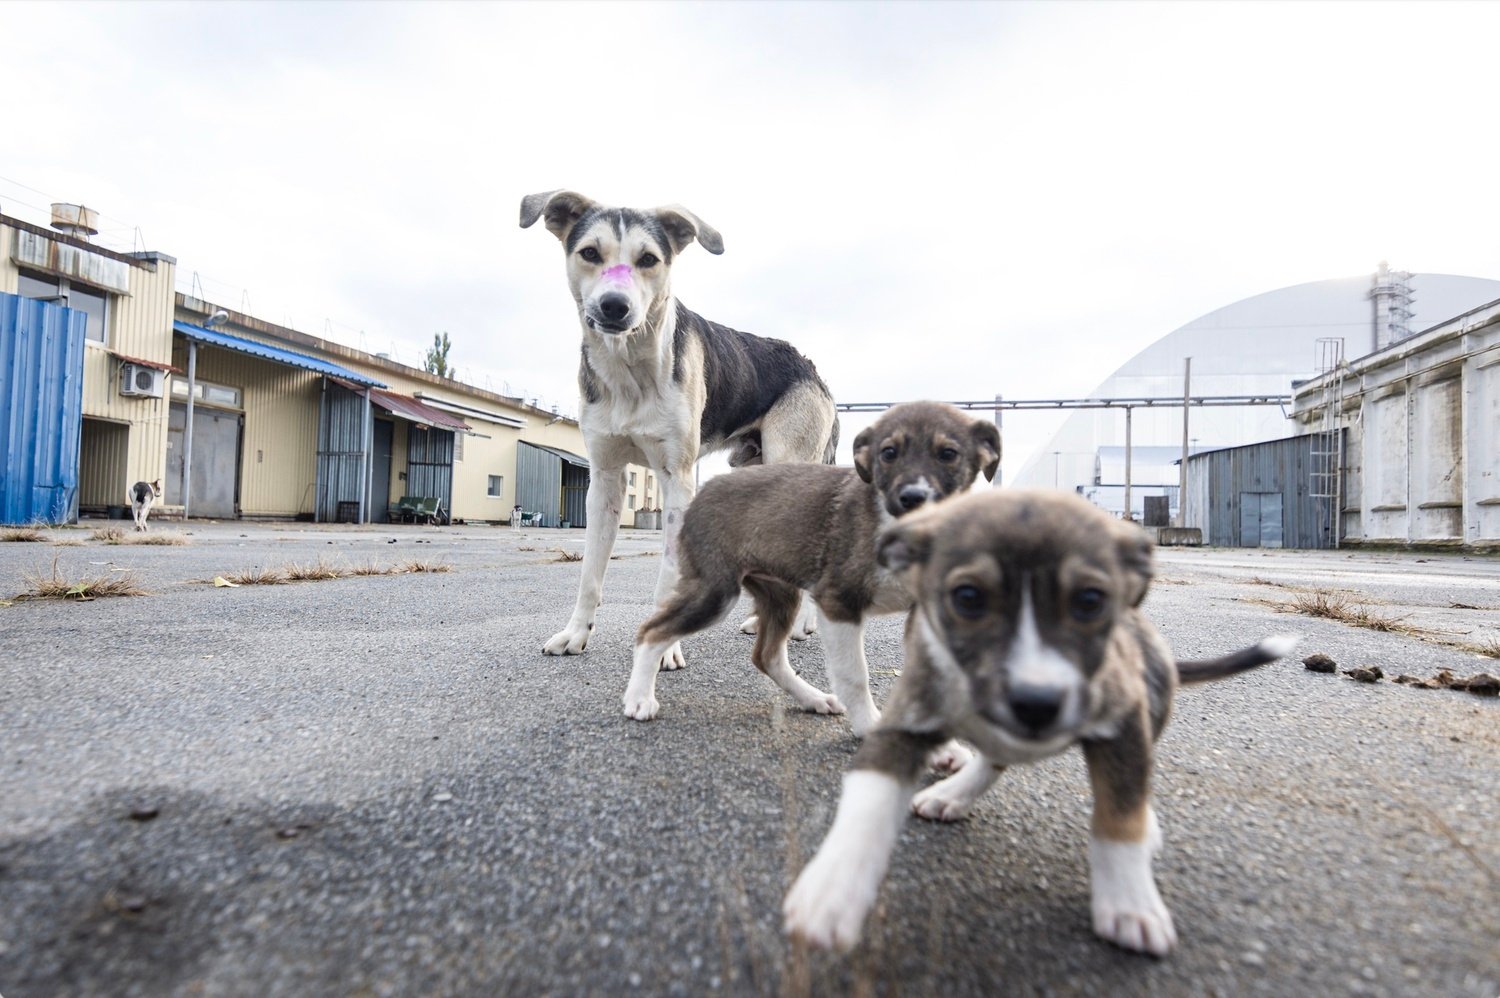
662, 385
778, 529
1026, 639
141, 497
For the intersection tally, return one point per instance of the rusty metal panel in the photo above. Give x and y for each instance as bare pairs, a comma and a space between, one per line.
38, 252
41, 409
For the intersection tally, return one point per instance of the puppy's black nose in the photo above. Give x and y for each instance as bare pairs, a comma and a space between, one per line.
1036, 706
614, 307
911, 496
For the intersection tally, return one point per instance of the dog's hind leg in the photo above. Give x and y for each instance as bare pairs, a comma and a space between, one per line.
605, 497
951, 799
776, 608
693, 608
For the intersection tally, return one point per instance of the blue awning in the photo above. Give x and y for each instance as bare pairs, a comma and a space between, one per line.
276, 354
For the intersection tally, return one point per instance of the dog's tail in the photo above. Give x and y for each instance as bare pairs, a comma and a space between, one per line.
833, 441
1208, 669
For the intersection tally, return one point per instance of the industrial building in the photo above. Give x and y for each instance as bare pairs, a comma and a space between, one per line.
110, 377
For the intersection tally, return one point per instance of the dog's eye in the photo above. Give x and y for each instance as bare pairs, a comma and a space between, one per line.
969, 601
888, 454
947, 455
591, 255
1088, 604
647, 261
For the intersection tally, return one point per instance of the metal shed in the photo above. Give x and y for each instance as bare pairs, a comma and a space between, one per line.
41, 410
552, 482
1259, 495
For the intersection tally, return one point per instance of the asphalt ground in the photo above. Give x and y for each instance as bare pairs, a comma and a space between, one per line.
378, 785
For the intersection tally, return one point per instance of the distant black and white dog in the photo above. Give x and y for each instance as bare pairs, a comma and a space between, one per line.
141, 497
661, 385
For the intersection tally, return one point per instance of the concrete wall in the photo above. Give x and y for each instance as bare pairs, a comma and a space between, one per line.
1423, 424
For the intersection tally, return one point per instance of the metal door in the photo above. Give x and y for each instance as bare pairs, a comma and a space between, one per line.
1260, 520
429, 464
380, 485
216, 461
41, 410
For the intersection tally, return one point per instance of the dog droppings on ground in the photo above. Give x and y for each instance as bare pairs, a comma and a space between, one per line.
1484, 684
1320, 663
1365, 675
144, 812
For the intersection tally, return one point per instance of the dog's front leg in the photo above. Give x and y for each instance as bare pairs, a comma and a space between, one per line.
1127, 909
677, 492
844, 644
827, 904
605, 497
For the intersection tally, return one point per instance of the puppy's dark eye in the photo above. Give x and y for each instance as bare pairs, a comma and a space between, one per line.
969, 601
947, 455
647, 261
1088, 604
888, 454
591, 255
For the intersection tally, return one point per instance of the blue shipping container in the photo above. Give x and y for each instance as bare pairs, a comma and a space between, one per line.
41, 409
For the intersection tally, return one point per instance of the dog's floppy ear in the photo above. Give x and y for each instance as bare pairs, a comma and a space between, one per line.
904, 543
682, 227
862, 445
987, 441
561, 208
1134, 547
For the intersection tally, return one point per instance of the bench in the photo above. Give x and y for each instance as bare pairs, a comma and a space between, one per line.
418, 509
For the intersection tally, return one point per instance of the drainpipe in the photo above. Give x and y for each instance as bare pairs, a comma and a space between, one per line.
1128, 507
364, 477
1187, 381
187, 430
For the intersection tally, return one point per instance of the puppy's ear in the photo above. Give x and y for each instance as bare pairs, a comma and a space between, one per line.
987, 445
904, 543
682, 227
862, 445
1134, 547
561, 208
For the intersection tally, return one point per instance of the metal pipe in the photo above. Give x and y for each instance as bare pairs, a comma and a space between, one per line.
187, 429
364, 478
1001, 469
1128, 508
1180, 519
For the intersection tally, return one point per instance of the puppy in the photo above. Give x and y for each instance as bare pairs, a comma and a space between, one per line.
778, 529
141, 497
1026, 638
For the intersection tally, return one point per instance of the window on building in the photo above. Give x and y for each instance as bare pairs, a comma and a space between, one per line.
204, 391
632, 479
93, 304
630, 499
458, 446
497, 486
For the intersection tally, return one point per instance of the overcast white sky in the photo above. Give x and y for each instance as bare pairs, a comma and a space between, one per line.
930, 200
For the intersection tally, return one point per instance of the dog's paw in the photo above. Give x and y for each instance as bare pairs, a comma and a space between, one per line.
806, 623
751, 625
671, 659
949, 757
1127, 908
822, 703
571, 640
640, 708
863, 718
935, 804
1139, 931
826, 907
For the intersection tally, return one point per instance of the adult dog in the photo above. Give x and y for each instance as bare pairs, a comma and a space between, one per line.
661, 385
141, 497
1026, 639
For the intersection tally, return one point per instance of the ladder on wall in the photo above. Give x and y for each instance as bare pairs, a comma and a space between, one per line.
1326, 476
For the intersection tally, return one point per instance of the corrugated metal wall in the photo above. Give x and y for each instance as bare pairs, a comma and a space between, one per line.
575, 493
341, 450
41, 409
429, 464
1219, 481
539, 482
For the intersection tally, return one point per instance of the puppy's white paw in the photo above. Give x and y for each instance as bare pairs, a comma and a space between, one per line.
822, 703
751, 625
1127, 909
936, 805
949, 758
571, 640
671, 659
826, 907
806, 623
640, 708
863, 717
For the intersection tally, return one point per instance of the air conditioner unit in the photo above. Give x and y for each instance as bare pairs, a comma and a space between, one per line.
139, 381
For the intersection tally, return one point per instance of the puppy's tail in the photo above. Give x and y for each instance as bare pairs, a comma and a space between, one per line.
1206, 670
